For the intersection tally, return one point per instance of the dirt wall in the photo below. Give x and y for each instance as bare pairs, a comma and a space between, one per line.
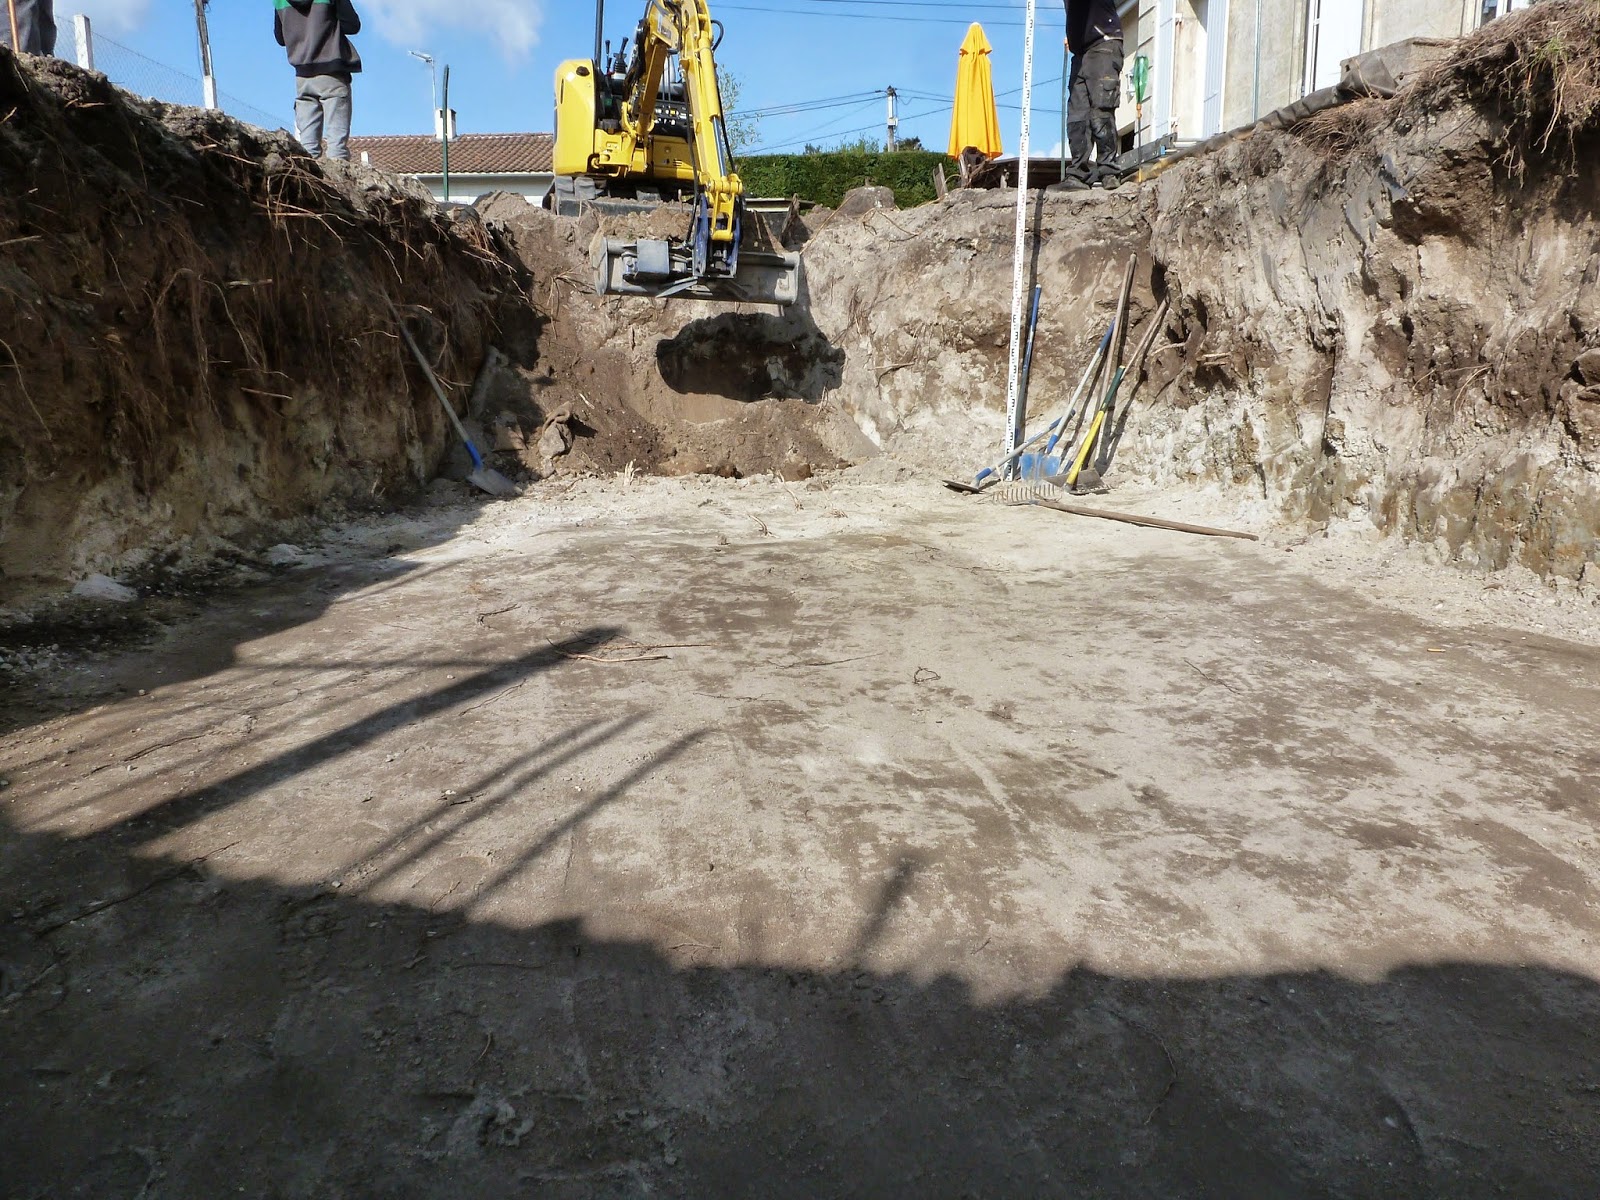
194, 340
1389, 316
677, 387
1393, 335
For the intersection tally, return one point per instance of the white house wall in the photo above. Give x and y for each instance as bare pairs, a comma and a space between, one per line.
1138, 37
1265, 65
1396, 20
1265, 77
467, 188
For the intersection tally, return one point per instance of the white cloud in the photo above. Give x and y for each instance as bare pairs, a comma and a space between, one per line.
513, 24
110, 16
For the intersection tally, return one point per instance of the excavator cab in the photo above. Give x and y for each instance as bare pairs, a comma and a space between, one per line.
634, 132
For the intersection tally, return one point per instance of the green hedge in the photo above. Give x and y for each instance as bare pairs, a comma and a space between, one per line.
825, 178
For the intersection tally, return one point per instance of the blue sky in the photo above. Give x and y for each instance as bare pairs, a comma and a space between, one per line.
823, 55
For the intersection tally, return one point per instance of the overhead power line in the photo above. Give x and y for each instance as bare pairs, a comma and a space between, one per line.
830, 128
776, 146
915, 94
860, 100
796, 107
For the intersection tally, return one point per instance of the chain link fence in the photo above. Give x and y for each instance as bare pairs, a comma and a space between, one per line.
144, 76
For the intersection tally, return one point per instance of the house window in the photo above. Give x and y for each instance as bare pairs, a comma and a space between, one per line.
1499, 8
1333, 34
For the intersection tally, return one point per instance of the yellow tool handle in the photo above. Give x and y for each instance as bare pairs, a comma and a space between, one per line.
1088, 445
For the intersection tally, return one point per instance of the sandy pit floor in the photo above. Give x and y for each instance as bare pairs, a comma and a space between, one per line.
697, 837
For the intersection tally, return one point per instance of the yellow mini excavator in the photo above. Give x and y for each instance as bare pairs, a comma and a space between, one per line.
647, 125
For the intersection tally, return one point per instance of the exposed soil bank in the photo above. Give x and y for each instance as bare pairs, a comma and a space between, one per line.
1390, 315
1387, 318
675, 387
195, 337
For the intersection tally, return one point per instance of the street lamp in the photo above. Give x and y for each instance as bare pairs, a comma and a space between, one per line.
433, 74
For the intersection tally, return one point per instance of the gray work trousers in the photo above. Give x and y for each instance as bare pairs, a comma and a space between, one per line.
1092, 97
36, 27
322, 115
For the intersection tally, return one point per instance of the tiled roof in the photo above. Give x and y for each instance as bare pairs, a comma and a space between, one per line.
470, 153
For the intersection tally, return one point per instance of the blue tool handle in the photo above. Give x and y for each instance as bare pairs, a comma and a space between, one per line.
1105, 344
477, 459
1033, 326
1015, 454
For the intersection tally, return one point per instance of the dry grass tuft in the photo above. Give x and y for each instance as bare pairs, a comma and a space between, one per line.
1337, 132
1540, 68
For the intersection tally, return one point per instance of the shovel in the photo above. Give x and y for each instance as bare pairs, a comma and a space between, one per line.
484, 478
990, 476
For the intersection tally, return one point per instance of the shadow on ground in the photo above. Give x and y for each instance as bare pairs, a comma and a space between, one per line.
162, 622
317, 1045
187, 1029
752, 356
182, 1026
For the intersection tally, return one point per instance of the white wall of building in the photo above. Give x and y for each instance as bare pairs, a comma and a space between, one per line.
1278, 50
1138, 37
467, 188
1221, 64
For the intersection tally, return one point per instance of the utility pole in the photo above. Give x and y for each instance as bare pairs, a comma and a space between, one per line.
894, 120
599, 32
445, 132
208, 81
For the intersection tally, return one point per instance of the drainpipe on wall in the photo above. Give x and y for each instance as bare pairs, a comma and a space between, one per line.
1066, 79
1255, 80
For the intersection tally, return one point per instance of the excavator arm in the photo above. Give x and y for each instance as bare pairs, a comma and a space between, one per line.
639, 133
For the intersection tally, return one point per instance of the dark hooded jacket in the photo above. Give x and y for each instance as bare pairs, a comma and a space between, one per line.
316, 33
1090, 21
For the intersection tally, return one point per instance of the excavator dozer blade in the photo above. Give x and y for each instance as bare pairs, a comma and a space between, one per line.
658, 267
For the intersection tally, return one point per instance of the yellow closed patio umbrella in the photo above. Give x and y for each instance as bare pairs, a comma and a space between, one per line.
975, 122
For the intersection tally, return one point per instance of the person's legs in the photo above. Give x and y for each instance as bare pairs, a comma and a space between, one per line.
1104, 69
1078, 116
46, 19
308, 115
36, 27
336, 114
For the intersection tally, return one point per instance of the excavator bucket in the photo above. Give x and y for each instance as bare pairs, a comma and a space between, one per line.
663, 267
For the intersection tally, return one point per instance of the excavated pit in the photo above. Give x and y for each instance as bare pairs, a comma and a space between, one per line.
838, 836
749, 357
1387, 318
